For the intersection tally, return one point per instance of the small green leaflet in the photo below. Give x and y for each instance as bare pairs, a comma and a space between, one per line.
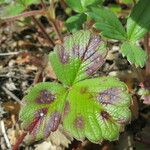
135, 54
75, 23
81, 55
138, 22
92, 108
95, 112
108, 23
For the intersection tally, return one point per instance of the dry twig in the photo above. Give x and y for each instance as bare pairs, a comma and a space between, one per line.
4, 134
12, 95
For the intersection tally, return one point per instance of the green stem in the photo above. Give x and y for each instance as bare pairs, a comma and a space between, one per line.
25, 14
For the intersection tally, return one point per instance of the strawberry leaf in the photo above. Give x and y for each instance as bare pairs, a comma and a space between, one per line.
97, 109
81, 55
43, 107
108, 23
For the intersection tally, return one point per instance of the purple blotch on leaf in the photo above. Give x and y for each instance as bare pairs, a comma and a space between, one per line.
92, 47
63, 55
93, 56
45, 97
52, 123
109, 96
95, 64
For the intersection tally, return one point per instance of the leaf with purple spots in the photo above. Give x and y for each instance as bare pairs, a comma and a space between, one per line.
98, 108
95, 108
44, 103
81, 55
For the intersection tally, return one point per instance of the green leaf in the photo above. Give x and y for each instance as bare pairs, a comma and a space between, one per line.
139, 21
95, 109
135, 54
75, 23
99, 111
108, 23
81, 55
43, 106
75, 5
96, 112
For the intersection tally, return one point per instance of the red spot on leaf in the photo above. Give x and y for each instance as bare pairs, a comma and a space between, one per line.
105, 115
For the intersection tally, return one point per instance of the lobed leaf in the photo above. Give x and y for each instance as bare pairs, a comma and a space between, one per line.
138, 22
135, 54
81, 55
95, 109
108, 23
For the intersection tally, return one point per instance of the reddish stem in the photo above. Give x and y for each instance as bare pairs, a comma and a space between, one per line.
22, 136
26, 14
19, 141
